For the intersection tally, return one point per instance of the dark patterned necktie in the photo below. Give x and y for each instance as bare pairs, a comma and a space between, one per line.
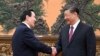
71, 33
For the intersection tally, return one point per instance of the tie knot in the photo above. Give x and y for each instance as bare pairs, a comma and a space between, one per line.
71, 27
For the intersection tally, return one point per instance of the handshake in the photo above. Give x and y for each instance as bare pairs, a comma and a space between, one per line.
54, 51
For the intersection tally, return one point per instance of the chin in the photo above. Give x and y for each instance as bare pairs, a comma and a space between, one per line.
32, 26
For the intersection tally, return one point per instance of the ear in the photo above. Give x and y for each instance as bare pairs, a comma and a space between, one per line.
27, 17
75, 13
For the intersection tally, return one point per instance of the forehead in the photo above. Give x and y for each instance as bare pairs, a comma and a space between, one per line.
33, 13
67, 11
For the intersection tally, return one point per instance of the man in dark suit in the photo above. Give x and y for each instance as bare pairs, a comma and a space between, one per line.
76, 38
24, 43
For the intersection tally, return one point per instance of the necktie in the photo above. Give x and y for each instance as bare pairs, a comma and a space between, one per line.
71, 33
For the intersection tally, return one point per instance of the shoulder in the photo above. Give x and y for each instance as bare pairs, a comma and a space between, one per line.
22, 27
86, 26
65, 27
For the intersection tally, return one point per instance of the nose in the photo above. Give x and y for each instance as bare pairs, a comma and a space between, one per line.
65, 17
34, 19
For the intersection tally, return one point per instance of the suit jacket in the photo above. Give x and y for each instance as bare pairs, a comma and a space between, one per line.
24, 43
83, 42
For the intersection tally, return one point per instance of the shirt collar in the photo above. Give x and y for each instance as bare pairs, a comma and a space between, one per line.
26, 24
76, 24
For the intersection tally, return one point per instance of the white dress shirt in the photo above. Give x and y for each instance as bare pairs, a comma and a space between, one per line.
26, 25
75, 26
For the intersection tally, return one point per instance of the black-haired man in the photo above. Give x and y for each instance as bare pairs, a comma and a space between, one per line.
24, 43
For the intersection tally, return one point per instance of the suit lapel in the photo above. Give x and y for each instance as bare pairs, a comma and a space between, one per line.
76, 32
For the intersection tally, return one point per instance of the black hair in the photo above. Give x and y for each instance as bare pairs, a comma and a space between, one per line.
26, 12
72, 9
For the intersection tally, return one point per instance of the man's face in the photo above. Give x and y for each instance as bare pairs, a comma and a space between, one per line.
69, 17
32, 19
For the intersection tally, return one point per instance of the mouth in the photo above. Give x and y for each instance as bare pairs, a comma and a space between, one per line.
67, 19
